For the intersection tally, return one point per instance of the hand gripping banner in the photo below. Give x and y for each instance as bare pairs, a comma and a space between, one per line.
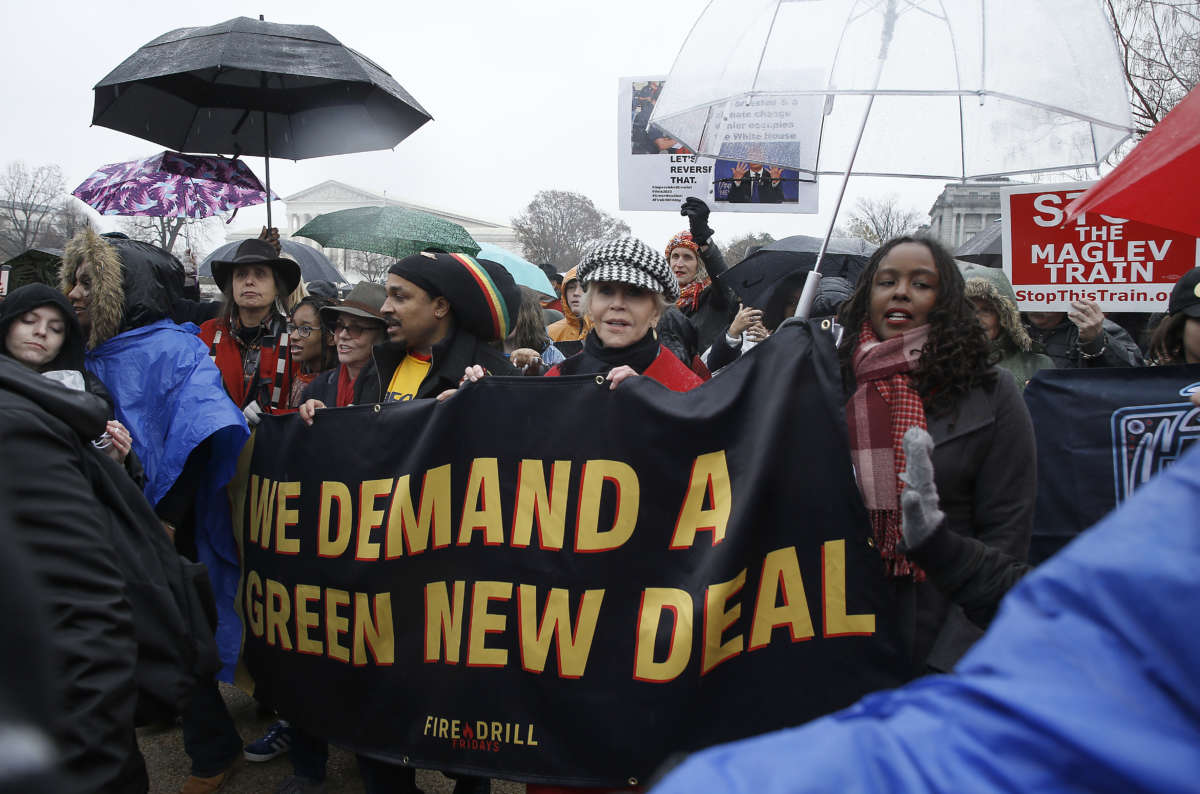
547, 580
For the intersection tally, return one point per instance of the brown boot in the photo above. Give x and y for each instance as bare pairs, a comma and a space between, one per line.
205, 785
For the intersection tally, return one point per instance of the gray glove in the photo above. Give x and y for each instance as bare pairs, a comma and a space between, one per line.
253, 413
919, 501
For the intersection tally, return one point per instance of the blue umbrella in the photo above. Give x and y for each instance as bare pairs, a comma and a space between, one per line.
526, 274
314, 265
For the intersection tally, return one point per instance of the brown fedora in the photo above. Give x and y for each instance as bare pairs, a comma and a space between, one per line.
257, 252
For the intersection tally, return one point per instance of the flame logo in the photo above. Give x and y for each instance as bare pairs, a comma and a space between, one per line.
467, 732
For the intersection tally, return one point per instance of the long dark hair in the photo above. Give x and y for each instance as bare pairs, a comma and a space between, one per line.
529, 330
1166, 344
955, 358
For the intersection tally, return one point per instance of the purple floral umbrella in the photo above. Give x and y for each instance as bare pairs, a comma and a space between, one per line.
172, 185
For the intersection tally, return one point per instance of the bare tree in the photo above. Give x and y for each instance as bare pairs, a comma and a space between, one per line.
745, 245
878, 220
68, 221
29, 202
371, 266
165, 232
1159, 43
558, 226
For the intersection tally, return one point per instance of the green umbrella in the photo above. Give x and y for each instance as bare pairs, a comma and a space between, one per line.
392, 231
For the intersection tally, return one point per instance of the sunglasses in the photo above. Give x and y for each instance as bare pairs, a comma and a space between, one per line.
353, 330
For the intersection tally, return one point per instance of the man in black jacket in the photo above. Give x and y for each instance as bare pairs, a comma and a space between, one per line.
442, 310
1082, 337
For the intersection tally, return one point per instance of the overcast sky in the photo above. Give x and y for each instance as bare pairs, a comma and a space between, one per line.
523, 96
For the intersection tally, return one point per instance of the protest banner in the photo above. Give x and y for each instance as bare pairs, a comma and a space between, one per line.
1101, 434
546, 580
1123, 265
657, 172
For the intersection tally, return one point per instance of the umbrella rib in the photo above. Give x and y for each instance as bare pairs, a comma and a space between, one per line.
766, 40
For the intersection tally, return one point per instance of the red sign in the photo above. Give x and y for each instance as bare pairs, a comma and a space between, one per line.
1120, 264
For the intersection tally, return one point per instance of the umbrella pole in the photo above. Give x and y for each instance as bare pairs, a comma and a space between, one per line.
267, 166
811, 284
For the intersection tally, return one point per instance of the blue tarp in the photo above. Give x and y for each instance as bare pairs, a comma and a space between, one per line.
1088, 680
169, 394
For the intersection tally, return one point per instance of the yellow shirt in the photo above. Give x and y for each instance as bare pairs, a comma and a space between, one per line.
407, 378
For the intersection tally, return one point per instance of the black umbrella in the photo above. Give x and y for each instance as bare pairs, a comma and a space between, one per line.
985, 248
754, 276
249, 87
314, 265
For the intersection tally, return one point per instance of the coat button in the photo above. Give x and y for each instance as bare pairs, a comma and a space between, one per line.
870, 543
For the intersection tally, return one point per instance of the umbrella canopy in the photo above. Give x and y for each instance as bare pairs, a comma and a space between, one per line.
526, 274
985, 248
34, 266
1155, 183
172, 185
392, 231
956, 88
314, 265
208, 89
754, 277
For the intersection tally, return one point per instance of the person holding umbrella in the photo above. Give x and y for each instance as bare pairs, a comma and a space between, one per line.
695, 263
914, 355
248, 339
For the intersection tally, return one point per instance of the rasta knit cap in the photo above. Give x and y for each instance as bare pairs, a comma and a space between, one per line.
629, 261
684, 240
482, 294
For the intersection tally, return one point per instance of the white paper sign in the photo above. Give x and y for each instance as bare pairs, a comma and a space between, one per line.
657, 172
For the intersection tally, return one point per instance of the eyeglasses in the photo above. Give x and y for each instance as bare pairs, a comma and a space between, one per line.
300, 331
353, 330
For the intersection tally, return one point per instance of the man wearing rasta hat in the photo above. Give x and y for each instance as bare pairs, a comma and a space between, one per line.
248, 339
441, 310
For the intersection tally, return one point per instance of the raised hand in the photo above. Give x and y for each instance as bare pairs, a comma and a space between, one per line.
920, 515
739, 171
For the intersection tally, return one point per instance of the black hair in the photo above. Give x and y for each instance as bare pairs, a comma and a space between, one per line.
329, 357
1166, 343
955, 357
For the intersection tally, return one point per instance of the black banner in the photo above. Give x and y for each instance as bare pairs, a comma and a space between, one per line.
1101, 433
546, 580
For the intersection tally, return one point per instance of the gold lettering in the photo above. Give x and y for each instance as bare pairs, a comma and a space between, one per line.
443, 620
481, 506
286, 517
336, 625
335, 546
717, 619
547, 506
535, 638
370, 517
307, 619
780, 572
484, 623
654, 601
833, 587
409, 528
376, 633
710, 477
588, 537
279, 610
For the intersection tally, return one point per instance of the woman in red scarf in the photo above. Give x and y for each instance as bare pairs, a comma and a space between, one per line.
357, 325
914, 355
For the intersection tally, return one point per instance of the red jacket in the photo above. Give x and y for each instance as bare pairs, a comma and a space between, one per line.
273, 385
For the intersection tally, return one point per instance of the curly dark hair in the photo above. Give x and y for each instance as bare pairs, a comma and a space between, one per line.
956, 357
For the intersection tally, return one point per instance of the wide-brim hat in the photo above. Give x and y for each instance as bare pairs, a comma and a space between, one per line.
1185, 296
482, 294
629, 261
257, 252
365, 300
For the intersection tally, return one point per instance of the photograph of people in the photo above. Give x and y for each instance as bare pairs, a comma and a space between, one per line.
647, 138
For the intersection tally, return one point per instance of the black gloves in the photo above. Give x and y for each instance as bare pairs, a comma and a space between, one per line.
696, 211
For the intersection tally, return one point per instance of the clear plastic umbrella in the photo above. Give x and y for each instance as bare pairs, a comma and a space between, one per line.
942, 89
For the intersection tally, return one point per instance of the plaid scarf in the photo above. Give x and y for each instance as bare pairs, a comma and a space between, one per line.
881, 409
689, 296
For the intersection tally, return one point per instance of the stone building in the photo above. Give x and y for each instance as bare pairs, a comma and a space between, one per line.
965, 208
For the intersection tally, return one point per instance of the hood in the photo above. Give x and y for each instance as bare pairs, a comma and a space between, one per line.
991, 285
570, 316
83, 412
134, 283
31, 296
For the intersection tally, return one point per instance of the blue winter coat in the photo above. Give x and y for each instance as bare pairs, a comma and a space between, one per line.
1088, 680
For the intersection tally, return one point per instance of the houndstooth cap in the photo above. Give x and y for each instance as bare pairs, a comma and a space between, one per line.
629, 261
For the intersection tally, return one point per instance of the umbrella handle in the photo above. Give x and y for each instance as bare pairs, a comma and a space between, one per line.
809, 294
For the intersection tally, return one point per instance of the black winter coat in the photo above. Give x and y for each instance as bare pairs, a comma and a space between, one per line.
985, 469
123, 607
451, 357
1062, 344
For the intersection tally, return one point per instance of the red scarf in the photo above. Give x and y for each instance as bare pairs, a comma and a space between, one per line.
882, 408
345, 392
689, 296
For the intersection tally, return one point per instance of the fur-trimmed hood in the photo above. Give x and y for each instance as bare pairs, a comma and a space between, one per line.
991, 285
133, 283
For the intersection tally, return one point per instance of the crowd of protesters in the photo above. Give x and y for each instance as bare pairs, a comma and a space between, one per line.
122, 420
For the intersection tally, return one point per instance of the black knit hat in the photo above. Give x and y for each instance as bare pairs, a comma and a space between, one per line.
1185, 297
482, 294
257, 252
